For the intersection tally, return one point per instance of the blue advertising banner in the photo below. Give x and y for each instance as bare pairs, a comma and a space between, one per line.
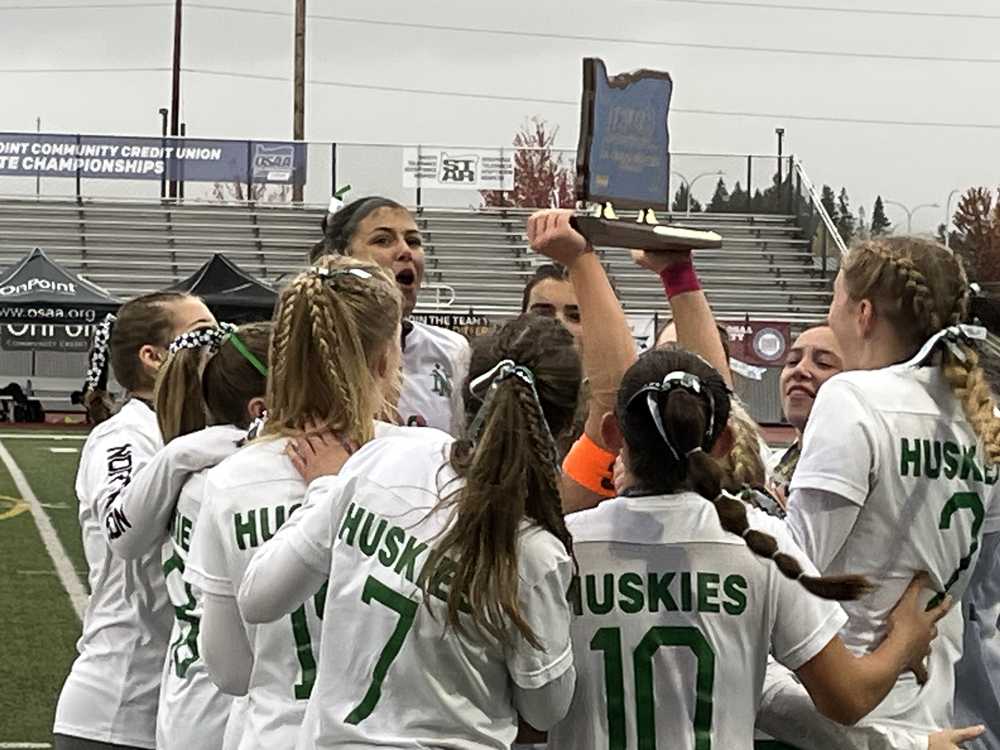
123, 158
624, 150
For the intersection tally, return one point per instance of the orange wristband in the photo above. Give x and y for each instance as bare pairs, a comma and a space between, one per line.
590, 466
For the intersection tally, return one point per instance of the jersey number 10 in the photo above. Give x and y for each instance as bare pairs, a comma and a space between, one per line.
609, 640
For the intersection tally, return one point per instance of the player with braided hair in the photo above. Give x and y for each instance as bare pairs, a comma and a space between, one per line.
448, 565
898, 470
334, 361
682, 589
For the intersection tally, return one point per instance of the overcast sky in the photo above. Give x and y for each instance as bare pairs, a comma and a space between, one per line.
911, 164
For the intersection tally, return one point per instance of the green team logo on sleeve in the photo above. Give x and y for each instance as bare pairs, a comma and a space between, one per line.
934, 459
631, 593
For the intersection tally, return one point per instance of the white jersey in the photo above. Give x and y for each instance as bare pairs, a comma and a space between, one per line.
435, 366
113, 687
193, 712
404, 680
672, 612
247, 498
893, 447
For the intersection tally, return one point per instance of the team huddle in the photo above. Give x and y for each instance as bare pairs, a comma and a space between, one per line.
346, 529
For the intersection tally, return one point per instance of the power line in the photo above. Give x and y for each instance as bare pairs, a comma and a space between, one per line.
83, 70
569, 102
962, 15
620, 40
959, 15
86, 6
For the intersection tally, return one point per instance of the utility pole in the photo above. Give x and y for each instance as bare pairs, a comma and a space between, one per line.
299, 106
175, 92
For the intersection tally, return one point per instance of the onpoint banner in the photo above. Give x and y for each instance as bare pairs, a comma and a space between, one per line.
124, 158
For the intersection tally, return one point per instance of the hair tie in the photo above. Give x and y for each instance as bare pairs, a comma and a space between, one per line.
696, 449
746, 532
97, 369
801, 575
671, 381
327, 274
248, 355
951, 337
506, 369
210, 337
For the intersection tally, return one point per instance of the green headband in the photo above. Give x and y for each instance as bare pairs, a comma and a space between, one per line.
247, 354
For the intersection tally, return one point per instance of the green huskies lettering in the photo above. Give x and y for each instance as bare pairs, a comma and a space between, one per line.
631, 593
933, 459
260, 524
395, 550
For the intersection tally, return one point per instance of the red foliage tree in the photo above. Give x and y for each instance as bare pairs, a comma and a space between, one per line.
977, 235
542, 179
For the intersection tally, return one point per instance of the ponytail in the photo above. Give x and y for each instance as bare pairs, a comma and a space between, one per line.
332, 325
706, 480
511, 473
180, 405
686, 410
97, 401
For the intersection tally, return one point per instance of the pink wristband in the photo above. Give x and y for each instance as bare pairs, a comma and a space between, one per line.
679, 279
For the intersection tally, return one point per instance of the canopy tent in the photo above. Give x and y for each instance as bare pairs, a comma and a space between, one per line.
37, 290
229, 291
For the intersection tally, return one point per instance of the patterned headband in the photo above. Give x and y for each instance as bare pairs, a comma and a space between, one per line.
505, 370
97, 367
685, 381
202, 337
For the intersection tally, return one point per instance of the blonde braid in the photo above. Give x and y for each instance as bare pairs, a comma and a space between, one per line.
280, 338
743, 465
923, 271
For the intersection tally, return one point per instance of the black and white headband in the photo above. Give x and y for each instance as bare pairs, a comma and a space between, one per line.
671, 381
97, 367
505, 369
950, 337
211, 337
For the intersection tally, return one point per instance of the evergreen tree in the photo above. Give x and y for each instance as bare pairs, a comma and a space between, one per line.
861, 230
679, 205
845, 219
880, 222
829, 201
738, 199
758, 203
720, 199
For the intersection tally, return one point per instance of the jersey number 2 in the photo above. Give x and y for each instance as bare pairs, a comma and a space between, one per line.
609, 640
407, 611
961, 501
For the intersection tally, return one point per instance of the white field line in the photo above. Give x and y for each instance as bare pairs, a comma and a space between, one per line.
24, 745
64, 568
37, 436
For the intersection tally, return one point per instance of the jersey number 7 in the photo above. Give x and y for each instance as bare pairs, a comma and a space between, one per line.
407, 611
609, 640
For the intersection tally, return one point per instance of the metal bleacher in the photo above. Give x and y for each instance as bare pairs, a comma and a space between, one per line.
765, 268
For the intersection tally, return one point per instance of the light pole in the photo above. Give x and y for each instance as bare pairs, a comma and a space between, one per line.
910, 211
947, 217
780, 132
163, 144
689, 184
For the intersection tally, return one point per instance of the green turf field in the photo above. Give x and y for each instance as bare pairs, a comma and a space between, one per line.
37, 619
